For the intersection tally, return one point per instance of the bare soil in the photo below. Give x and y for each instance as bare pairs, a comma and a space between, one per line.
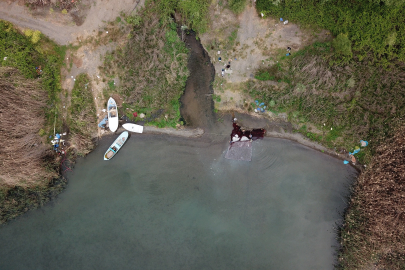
259, 40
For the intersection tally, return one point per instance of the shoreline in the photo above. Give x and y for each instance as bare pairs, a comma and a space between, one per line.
197, 132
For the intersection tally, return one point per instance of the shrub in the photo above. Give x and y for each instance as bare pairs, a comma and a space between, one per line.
237, 6
371, 26
342, 45
36, 36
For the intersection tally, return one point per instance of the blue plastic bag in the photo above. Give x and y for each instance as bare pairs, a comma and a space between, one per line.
345, 162
366, 142
354, 152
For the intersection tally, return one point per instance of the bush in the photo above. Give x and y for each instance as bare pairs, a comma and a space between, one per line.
264, 76
237, 6
193, 13
342, 46
371, 26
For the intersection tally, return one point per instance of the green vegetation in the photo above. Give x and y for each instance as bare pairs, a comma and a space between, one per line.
237, 6
374, 28
26, 52
264, 76
232, 39
152, 69
216, 98
194, 14
82, 119
358, 101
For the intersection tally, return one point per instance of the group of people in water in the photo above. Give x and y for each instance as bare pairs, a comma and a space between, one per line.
242, 135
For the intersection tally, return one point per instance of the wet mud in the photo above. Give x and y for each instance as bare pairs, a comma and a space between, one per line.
197, 106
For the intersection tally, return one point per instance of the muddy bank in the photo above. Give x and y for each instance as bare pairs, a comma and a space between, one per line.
197, 106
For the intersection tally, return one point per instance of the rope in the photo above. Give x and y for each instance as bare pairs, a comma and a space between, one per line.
62, 163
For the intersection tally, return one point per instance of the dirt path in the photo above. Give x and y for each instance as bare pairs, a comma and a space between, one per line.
62, 28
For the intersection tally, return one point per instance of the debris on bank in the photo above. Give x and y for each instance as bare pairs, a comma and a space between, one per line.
58, 143
355, 151
260, 107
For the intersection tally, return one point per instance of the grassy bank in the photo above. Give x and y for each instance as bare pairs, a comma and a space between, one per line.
82, 120
334, 104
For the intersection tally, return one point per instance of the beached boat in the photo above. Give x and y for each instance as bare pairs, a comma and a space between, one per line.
116, 145
133, 127
112, 111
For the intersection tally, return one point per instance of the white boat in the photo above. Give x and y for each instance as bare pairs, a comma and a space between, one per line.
133, 127
116, 145
112, 111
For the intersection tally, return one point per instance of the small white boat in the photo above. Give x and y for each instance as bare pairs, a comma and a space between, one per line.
112, 111
133, 127
116, 145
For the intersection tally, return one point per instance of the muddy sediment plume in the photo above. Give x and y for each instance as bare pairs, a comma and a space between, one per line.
197, 107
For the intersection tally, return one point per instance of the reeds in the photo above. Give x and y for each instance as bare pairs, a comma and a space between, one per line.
374, 229
23, 151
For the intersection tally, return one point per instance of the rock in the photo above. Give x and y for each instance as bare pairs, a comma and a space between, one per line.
283, 116
142, 115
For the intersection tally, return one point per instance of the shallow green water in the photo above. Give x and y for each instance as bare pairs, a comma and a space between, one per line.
168, 203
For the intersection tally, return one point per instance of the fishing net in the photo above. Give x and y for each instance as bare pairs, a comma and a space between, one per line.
240, 151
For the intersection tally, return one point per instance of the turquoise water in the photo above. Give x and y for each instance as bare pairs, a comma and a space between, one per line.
169, 203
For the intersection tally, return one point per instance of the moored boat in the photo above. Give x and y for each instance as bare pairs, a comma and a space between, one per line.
116, 145
112, 112
133, 127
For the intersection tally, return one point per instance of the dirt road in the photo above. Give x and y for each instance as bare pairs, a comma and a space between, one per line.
62, 27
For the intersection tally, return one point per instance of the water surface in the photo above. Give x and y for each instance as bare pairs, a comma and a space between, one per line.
169, 203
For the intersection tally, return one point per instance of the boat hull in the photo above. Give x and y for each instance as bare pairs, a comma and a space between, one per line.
133, 127
112, 111
116, 145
